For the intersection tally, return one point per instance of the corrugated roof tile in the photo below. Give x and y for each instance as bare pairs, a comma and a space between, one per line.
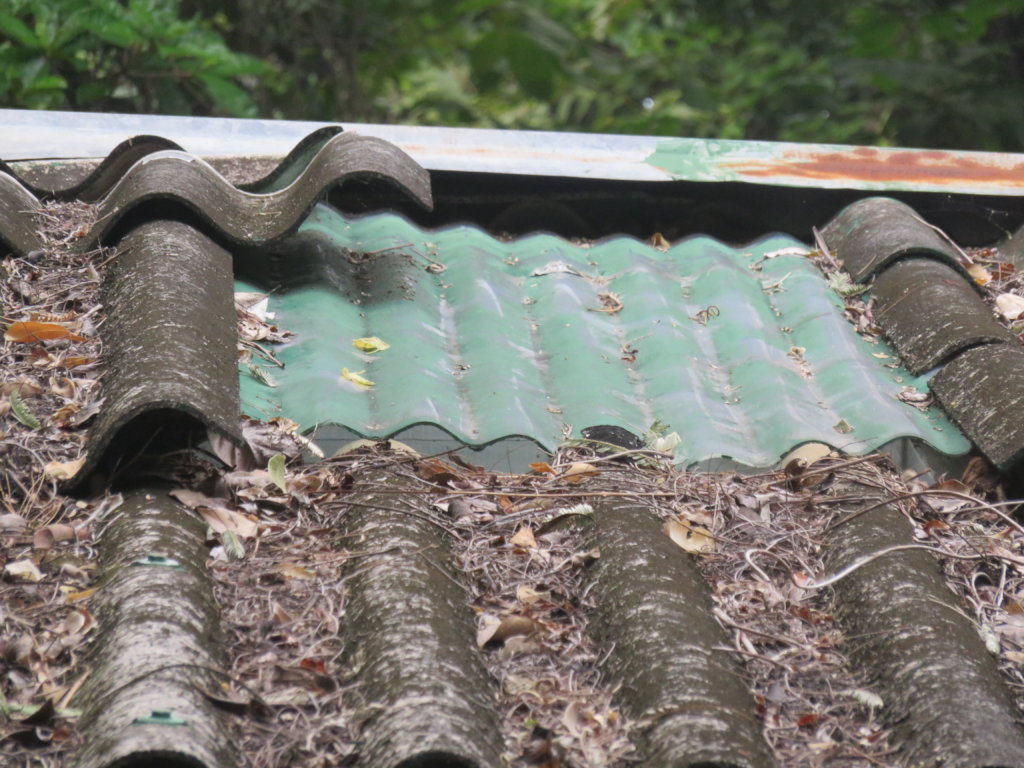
743, 351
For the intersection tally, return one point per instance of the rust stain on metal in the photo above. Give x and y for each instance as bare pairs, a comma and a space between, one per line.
931, 167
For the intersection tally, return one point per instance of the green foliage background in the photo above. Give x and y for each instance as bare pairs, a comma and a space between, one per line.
910, 72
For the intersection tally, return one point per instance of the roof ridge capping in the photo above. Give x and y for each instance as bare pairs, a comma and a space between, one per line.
127, 153
257, 214
932, 311
873, 233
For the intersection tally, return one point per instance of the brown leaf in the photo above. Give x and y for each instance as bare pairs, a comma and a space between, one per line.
294, 571
48, 535
494, 631
691, 538
63, 470
524, 538
30, 331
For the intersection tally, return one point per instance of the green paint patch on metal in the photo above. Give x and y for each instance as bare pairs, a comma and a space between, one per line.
832, 166
744, 352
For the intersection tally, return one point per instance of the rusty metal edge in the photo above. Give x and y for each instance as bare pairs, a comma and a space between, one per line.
663, 648
158, 647
407, 618
942, 691
31, 134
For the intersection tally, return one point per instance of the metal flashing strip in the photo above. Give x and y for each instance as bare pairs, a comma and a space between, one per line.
34, 135
744, 352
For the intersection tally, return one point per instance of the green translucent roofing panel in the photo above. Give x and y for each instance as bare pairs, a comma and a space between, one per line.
744, 352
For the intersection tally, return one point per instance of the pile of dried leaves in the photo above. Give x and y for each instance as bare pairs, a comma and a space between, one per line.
276, 557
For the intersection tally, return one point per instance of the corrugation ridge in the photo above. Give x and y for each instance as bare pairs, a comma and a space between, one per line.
578, 350
983, 391
169, 348
663, 650
17, 223
248, 219
409, 640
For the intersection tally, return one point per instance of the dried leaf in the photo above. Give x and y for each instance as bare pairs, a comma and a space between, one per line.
11, 522
979, 274
542, 467
22, 412
77, 622
843, 427
63, 470
26, 570
262, 375
48, 535
31, 331
233, 546
494, 631
275, 467
370, 345
1010, 306
356, 378
293, 571
524, 538
222, 519
579, 470
691, 538
528, 595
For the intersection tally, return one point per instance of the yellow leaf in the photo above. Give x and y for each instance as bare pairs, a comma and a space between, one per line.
980, 275
65, 470
31, 331
370, 344
356, 378
691, 538
580, 468
74, 597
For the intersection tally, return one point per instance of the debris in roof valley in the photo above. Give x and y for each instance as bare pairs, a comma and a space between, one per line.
185, 586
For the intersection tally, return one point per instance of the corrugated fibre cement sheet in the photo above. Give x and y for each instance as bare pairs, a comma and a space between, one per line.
744, 352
